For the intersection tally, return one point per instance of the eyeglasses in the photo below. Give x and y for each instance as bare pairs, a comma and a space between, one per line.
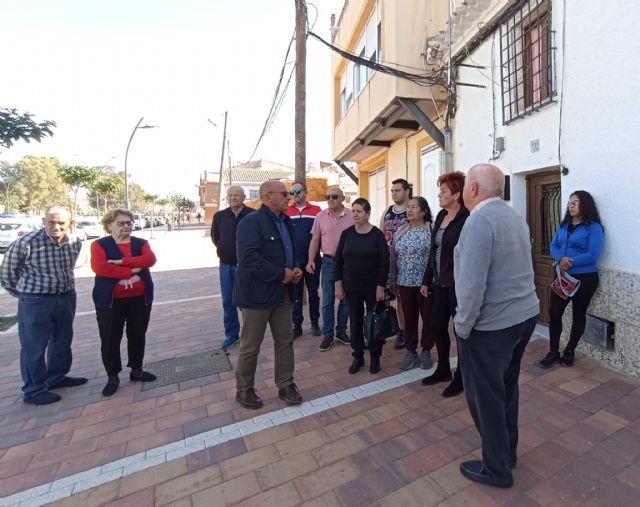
574, 202
284, 193
414, 206
296, 191
124, 223
330, 197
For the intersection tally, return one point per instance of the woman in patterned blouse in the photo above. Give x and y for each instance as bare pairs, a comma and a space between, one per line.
409, 255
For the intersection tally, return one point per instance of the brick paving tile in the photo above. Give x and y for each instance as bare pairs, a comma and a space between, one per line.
580, 438
339, 449
325, 479
423, 491
631, 475
208, 423
76, 464
215, 454
248, 462
547, 459
598, 466
473, 496
142, 498
14, 467
156, 439
228, 493
302, 442
627, 407
614, 493
449, 478
27, 479
418, 463
285, 470
606, 422
269, 436
625, 443
329, 499
186, 485
152, 476
564, 489
93, 497
284, 495
368, 488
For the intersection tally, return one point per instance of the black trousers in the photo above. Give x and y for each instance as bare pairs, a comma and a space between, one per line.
356, 301
588, 285
415, 306
133, 312
490, 371
444, 307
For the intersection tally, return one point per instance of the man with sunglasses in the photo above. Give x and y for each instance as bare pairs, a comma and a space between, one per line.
303, 215
325, 236
263, 291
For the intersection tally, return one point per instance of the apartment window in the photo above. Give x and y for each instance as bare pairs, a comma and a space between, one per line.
356, 76
526, 59
254, 193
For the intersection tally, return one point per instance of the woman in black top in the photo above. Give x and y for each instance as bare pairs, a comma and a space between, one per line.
361, 271
438, 277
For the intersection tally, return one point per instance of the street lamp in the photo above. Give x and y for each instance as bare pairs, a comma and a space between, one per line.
126, 155
224, 139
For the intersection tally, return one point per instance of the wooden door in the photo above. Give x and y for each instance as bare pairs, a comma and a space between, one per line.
544, 216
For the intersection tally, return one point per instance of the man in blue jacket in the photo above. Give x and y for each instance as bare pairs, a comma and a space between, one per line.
263, 291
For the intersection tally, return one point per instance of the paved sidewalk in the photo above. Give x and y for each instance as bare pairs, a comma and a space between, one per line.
580, 427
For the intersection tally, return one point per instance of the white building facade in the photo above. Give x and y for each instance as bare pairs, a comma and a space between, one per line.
558, 111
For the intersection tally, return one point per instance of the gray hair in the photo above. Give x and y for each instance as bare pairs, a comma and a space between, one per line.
110, 217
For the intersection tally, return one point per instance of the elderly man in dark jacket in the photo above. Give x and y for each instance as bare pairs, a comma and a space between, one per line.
263, 291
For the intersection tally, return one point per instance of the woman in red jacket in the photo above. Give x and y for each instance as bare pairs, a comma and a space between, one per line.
122, 294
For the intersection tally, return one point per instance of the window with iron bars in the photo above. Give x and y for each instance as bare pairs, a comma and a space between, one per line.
527, 59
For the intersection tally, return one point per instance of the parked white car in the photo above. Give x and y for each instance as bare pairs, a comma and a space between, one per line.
91, 227
14, 229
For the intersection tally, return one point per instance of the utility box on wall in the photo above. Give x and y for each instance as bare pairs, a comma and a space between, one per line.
600, 333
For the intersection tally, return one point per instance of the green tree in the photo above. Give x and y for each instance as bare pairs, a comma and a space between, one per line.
106, 189
15, 126
39, 185
9, 175
78, 177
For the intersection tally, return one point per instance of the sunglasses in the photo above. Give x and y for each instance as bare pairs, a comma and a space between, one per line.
574, 202
124, 223
330, 197
296, 192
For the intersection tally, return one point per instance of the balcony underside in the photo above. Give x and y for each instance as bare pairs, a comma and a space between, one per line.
400, 118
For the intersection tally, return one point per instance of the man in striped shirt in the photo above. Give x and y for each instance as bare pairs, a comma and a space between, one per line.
38, 270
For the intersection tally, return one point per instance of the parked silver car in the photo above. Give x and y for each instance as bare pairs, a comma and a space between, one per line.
12, 230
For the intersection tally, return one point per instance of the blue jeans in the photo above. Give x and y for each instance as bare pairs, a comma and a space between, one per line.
45, 324
231, 323
329, 299
312, 282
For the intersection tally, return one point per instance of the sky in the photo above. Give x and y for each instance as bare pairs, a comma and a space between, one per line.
96, 67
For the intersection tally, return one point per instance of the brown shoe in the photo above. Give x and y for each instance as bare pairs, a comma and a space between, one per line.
249, 399
290, 394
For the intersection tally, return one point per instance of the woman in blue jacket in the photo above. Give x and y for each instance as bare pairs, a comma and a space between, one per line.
576, 248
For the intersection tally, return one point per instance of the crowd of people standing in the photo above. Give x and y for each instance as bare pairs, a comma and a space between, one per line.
466, 273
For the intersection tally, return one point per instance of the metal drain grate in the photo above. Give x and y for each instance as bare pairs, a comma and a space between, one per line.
179, 369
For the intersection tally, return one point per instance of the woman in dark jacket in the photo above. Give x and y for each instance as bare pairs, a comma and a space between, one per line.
122, 294
361, 271
438, 277
576, 248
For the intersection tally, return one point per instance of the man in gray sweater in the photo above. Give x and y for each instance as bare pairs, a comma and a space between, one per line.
495, 318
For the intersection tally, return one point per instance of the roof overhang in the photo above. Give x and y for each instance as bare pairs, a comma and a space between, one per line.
401, 117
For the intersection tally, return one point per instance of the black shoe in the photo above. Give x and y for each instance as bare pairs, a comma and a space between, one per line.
358, 362
327, 343
69, 382
315, 329
455, 388
144, 376
437, 376
42, 398
548, 360
567, 358
343, 337
297, 331
111, 387
399, 343
374, 367
473, 470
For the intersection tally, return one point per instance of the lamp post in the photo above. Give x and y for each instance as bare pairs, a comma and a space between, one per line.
126, 155
224, 138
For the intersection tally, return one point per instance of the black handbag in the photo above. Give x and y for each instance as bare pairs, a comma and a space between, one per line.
381, 323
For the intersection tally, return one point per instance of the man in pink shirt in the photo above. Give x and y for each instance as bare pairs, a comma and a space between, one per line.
325, 235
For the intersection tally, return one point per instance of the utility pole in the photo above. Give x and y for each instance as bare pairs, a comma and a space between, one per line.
301, 71
224, 140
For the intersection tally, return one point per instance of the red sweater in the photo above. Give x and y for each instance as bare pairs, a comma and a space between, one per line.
102, 267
